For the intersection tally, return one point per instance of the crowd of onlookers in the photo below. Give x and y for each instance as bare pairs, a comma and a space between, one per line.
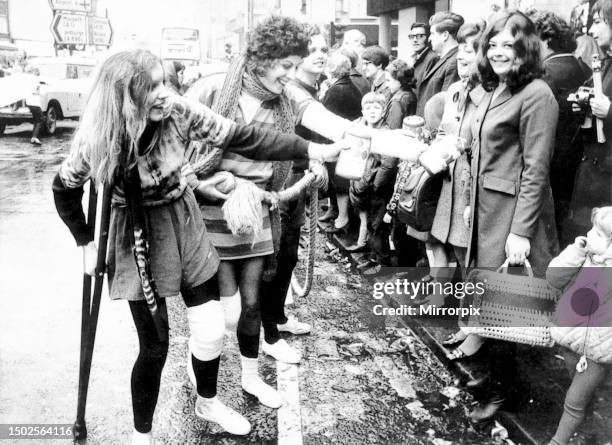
530, 177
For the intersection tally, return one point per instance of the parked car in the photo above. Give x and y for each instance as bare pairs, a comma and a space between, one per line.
60, 91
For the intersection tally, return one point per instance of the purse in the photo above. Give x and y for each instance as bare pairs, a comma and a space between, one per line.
515, 308
418, 199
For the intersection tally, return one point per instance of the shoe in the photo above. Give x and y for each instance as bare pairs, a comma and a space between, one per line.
373, 271
213, 410
485, 412
453, 339
35, 141
294, 326
329, 215
254, 385
338, 230
356, 248
282, 352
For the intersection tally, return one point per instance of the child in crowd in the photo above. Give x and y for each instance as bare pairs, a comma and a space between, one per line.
363, 192
587, 334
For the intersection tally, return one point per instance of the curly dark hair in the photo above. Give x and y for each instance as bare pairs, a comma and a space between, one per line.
277, 37
554, 30
401, 72
526, 46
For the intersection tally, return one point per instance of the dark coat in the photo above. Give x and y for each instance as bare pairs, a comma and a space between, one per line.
344, 99
593, 183
438, 78
512, 145
424, 62
564, 74
360, 82
401, 104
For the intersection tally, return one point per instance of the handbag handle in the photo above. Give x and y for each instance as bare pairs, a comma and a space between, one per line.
504, 267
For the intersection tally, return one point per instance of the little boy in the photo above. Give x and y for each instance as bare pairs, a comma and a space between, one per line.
370, 193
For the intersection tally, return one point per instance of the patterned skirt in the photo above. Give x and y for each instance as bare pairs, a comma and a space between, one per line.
233, 247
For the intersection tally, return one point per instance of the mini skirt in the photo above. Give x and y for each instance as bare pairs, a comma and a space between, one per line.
181, 253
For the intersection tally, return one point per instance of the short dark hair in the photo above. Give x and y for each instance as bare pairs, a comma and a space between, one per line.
377, 55
527, 48
471, 31
420, 25
277, 37
554, 30
401, 72
446, 21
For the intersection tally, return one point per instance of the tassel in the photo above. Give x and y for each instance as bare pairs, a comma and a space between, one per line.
242, 210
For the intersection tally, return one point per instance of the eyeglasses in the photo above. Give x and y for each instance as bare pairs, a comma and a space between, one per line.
416, 36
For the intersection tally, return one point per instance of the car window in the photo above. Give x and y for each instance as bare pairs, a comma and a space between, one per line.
53, 71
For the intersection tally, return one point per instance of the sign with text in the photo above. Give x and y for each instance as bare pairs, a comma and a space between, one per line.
69, 29
100, 31
72, 5
74, 29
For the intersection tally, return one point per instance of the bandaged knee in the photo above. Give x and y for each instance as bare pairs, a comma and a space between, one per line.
231, 310
207, 327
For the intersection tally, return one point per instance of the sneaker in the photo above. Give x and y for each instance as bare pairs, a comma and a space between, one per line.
35, 141
282, 352
265, 393
294, 326
213, 410
141, 438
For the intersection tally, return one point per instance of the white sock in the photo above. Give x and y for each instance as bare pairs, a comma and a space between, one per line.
253, 384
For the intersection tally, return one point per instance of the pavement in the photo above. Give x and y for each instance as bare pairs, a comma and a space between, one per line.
364, 379
541, 377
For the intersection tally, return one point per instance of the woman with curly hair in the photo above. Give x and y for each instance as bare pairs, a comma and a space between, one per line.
563, 73
513, 130
256, 90
132, 124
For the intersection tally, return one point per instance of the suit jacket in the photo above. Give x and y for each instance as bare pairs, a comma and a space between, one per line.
424, 62
512, 146
438, 78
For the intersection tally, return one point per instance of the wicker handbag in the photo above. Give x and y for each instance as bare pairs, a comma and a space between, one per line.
514, 308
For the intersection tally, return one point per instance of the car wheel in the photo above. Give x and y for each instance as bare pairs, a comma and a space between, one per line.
2, 126
51, 117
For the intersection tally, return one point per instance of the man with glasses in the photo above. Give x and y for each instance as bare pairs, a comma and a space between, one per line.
423, 58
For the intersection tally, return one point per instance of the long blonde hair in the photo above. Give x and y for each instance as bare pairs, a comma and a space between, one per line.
116, 110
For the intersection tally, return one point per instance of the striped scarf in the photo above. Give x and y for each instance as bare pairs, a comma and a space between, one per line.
226, 104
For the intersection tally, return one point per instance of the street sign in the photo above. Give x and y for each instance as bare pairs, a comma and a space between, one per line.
100, 31
69, 29
72, 5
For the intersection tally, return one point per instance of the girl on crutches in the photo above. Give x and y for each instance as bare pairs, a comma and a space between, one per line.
132, 122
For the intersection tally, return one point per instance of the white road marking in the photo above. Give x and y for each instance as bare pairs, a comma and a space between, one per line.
289, 418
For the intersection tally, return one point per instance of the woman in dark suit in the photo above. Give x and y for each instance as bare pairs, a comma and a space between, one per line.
513, 133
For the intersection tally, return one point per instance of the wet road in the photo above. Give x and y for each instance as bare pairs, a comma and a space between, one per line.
364, 379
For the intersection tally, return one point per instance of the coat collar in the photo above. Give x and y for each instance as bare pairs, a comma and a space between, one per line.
476, 94
501, 99
379, 81
441, 62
